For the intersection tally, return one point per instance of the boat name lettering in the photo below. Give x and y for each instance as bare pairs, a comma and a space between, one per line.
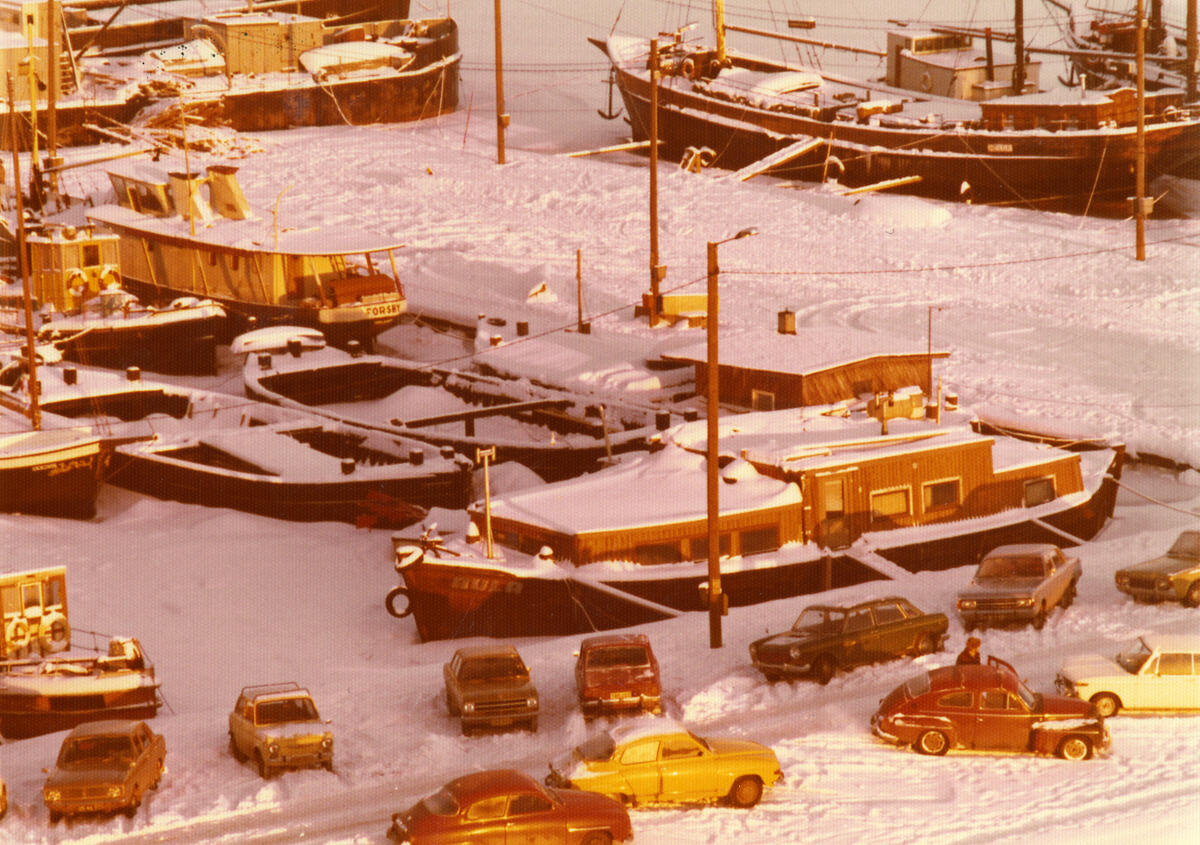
58, 468
387, 309
485, 585
999, 148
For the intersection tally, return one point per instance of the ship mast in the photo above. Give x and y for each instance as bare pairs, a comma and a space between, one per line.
719, 14
35, 414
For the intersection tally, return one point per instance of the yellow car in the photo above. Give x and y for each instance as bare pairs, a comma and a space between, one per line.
661, 762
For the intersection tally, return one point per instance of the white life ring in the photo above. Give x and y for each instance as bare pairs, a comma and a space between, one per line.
688, 67
16, 632
55, 634
926, 82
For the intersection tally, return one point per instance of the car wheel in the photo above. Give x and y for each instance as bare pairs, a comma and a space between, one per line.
131, 809
1075, 748
599, 838
450, 704
264, 770
533, 725
927, 644
1106, 704
234, 750
823, 669
1039, 619
934, 743
746, 791
1069, 595
772, 677
55, 817
1192, 597
467, 730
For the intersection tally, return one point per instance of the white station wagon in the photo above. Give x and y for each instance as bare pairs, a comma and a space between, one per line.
1154, 672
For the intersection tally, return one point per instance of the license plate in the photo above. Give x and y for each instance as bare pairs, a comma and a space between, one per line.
619, 695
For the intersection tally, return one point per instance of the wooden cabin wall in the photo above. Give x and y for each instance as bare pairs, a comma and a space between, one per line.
251, 278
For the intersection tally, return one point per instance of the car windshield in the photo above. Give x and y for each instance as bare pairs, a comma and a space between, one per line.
1023, 566
597, 748
441, 803
917, 685
1133, 656
285, 710
1033, 700
96, 749
604, 658
491, 668
819, 620
1187, 545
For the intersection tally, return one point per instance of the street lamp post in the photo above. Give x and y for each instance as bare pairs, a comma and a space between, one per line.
716, 598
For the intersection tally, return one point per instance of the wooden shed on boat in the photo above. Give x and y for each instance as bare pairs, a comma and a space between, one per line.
775, 371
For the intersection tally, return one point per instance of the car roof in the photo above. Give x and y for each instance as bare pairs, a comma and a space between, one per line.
614, 639
282, 689
104, 727
646, 728
971, 676
470, 788
1173, 642
861, 604
1023, 549
499, 650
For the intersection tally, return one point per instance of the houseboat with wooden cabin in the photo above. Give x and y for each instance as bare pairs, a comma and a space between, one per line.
808, 502
177, 242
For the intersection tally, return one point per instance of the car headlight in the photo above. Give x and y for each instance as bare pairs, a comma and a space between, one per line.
52, 795
1025, 603
1162, 584
531, 702
116, 791
468, 707
327, 743
1122, 579
966, 604
273, 749
794, 652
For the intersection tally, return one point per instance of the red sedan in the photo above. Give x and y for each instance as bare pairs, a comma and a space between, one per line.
489, 808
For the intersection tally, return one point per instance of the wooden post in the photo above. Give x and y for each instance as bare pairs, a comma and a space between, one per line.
1139, 211
53, 84
654, 271
713, 482
579, 289
1018, 76
35, 414
1193, 52
483, 456
501, 116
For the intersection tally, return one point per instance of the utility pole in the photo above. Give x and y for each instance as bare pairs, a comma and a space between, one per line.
483, 456
53, 84
501, 116
1018, 78
1193, 53
1140, 203
717, 603
35, 388
656, 272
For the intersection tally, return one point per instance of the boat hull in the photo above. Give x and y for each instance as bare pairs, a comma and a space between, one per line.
1070, 170
450, 600
392, 503
56, 481
182, 347
23, 716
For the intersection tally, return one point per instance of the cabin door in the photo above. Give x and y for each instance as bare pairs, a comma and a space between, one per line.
833, 495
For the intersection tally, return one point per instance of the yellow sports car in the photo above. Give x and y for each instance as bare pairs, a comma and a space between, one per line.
661, 762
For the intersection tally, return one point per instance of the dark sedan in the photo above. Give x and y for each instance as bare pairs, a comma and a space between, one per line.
826, 638
987, 708
501, 806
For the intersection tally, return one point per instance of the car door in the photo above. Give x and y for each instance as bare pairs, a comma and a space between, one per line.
1002, 722
639, 768
895, 635
687, 769
1174, 685
533, 820
958, 708
860, 640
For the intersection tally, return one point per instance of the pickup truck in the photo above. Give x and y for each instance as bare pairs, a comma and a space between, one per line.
1019, 584
489, 686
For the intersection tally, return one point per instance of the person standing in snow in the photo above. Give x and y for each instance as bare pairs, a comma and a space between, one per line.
970, 654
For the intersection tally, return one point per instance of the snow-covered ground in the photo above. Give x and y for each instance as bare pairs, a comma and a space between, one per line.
1048, 318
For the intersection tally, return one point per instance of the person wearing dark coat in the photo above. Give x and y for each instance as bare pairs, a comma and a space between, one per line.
970, 654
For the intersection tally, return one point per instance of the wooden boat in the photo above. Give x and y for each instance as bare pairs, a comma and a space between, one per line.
553, 432
40, 696
808, 503
87, 314
264, 70
49, 471
172, 245
1074, 152
220, 450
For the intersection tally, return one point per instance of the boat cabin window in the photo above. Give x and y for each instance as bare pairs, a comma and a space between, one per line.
91, 255
758, 540
31, 597
659, 553
762, 400
941, 494
1039, 491
887, 505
